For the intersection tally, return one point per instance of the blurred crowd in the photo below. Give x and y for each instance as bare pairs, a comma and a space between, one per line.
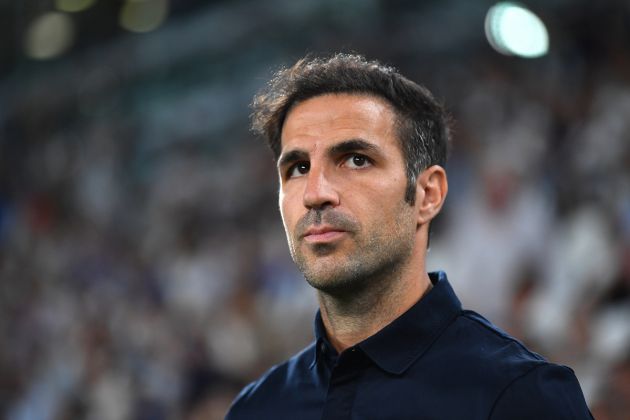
153, 282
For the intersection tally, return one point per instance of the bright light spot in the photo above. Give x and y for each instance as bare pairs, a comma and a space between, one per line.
73, 5
143, 15
513, 29
49, 35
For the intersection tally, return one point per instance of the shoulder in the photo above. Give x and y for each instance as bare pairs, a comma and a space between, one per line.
279, 383
484, 351
523, 384
547, 391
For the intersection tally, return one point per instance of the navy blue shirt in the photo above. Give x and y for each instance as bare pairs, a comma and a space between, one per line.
436, 361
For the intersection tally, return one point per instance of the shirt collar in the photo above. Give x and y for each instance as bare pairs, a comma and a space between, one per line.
321, 340
403, 341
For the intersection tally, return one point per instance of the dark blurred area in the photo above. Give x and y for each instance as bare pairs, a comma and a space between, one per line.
143, 267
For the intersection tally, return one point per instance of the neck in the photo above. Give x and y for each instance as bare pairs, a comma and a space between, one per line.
351, 319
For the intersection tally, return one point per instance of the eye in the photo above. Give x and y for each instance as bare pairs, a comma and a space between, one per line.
298, 169
357, 161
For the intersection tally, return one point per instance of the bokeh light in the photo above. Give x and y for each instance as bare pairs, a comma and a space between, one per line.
143, 15
512, 29
73, 6
49, 36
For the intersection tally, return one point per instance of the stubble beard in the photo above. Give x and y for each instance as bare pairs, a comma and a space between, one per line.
370, 265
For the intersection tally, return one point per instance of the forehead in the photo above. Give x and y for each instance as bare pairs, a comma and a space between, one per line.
333, 117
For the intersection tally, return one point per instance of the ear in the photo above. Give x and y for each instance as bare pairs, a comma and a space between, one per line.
431, 190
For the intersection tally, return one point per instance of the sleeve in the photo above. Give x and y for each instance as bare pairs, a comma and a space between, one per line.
238, 408
547, 391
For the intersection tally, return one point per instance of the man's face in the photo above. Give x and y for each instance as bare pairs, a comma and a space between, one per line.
342, 187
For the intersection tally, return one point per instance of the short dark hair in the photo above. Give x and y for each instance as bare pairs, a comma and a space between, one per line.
422, 123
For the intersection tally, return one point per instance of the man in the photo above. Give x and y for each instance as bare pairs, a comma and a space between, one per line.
360, 153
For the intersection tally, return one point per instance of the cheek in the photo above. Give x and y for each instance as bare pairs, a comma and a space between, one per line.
378, 193
385, 204
286, 212
283, 211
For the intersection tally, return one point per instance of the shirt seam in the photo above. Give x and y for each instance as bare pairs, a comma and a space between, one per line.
512, 382
504, 336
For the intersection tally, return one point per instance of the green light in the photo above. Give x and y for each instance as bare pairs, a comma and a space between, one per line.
143, 15
49, 36
513, 29
73, 5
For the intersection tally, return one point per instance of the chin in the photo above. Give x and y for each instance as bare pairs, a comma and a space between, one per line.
333, 279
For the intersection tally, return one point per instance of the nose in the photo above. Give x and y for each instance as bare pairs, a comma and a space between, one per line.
319, 191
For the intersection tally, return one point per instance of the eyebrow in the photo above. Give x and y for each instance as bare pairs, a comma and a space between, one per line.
353, 145
291, 157
346, 146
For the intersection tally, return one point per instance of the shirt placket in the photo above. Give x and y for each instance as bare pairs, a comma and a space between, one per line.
343, 384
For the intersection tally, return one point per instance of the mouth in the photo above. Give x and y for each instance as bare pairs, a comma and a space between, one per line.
323, 234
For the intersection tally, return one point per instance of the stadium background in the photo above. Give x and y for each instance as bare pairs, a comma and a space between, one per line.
143, 268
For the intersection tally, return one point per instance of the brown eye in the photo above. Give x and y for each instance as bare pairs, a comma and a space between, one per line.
299, 169
357, 161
